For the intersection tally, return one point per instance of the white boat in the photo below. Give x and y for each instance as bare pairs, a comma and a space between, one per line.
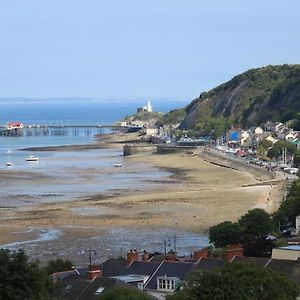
32, 158
9, 163
118, 165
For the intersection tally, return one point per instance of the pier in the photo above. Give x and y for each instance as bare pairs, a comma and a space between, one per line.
63, 130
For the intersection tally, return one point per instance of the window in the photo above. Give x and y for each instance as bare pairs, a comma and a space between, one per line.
99, 290
167, 284
140, 286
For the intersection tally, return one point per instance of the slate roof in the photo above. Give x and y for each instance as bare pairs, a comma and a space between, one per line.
106, 283
208, 264
82, 271
59, 276
113, 267
289, 267
169, 269
140, 268
70, 287
80, 288
258, 261
158, 257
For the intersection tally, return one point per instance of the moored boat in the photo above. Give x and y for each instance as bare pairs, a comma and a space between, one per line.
32, 158
9, 163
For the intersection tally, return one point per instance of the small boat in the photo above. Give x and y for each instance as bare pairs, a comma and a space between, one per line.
9, 163
118, 165
32, 158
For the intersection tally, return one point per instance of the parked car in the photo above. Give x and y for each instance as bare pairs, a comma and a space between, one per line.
271, 237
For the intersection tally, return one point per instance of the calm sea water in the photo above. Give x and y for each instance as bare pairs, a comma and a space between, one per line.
68, 111
67, 168
62, 176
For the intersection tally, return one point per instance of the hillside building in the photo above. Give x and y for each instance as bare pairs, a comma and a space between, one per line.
147, 108
246, 140
258, 131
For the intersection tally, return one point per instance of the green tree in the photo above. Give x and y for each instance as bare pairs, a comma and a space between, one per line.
290, 208
238, 282
174, 116
21, 279
124, 293
296, 122
256, 222
297, 158
215, 127
264, 146
276, 150
58, 265
251, 230
225, 233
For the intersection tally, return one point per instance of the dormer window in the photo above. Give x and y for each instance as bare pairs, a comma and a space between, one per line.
167, 284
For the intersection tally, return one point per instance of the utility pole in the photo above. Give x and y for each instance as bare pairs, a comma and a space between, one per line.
90, 256
90, 251
175, 246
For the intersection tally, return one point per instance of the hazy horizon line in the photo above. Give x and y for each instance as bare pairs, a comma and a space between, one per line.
108, 98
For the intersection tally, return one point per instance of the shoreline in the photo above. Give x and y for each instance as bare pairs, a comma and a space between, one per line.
102, 141
197, 195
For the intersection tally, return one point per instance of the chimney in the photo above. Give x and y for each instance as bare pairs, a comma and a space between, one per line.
94, 272
171, 256
132, 255
203, 253
234, 250
145, 256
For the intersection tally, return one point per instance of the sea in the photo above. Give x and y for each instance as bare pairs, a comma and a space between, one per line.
63, 165
70, 112
66, 112
69, 175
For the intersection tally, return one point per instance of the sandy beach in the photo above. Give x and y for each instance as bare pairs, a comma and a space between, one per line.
202, 190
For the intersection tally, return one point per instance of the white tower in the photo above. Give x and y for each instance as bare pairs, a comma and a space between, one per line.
149, 106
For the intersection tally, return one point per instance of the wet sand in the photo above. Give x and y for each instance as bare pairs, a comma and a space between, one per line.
201, 192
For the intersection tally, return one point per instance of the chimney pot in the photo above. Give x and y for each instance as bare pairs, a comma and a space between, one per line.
132, 255
171, 256
94, 272
234, 250
203, 253
145, 256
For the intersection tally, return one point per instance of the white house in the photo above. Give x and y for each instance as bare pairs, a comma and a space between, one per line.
292, 135
279, 127
271, 139
147, 108
150, 129
245, 139
258, 131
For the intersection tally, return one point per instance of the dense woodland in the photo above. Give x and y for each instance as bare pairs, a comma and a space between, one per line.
270, 93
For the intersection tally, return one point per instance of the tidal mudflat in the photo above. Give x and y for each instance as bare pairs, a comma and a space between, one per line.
73, 200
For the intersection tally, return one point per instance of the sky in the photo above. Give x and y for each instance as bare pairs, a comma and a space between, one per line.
134, 48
